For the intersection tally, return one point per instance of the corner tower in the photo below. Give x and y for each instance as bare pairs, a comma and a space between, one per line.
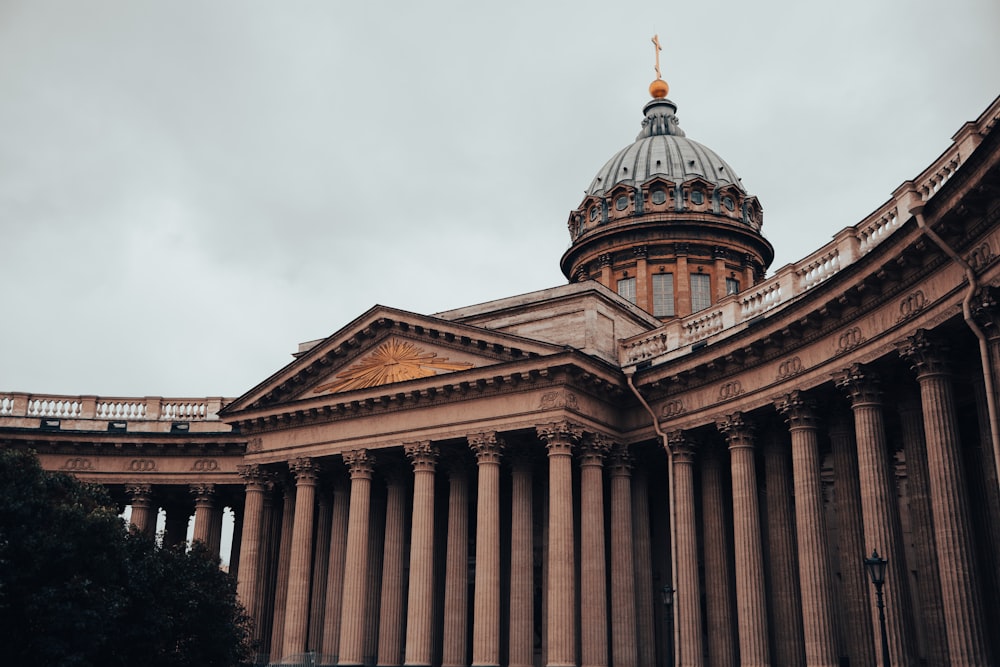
666, 222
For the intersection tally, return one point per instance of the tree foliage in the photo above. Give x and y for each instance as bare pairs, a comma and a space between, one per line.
78, 589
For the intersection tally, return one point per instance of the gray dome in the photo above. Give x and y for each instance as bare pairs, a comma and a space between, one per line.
661, 149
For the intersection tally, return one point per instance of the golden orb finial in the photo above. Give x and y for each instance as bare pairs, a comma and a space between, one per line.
659, 88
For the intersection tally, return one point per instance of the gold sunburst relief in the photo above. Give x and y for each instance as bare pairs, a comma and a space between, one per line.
392, 361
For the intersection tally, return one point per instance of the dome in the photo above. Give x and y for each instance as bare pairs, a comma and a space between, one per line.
661, 149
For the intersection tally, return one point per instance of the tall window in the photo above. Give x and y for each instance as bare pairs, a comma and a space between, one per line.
701, 292
663, 294
626, 289
732, 286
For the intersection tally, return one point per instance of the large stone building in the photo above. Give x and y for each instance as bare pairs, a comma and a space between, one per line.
672, 459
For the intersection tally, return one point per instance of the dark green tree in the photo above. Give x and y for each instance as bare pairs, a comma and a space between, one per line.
76, 588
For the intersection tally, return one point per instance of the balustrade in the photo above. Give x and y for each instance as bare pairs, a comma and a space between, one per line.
154, 408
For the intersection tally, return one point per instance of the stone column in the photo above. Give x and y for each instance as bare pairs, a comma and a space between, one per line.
781, 555
248, 587
718, 587
642, 291
882, 531
420, 602
853, 580
815, 579
306, 473
623, 632
559, 439
391, 603
269, 548
645, 607
486, 606
950, 509
522, 566
688, 649
204, 503
143, 512
281, 581
321, 563
751, 602
682, 281
593, 576
352, 614
335, 571
456, 584
930, 611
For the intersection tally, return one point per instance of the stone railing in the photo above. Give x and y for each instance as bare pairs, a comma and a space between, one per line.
791, 281
150, 408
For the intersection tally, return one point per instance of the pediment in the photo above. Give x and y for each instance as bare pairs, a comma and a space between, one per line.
387, 347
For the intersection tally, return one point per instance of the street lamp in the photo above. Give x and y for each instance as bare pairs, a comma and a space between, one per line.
876, 566
667, 596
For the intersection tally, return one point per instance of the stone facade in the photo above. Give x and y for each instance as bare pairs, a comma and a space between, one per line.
517, 482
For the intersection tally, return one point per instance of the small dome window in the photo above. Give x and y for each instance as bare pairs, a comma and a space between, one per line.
621, 203
593, 213
697, 197
659, 196
728, 203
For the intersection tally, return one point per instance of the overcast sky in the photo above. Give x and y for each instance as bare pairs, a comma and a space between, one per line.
190, 189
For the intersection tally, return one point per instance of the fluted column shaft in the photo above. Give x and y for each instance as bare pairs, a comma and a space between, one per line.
882, 531
645, 633
751, 602
299, 567
559, 438
248, 586
718, 588
623, 630
143, 513
456, 583
420, 607
390, 608
281, 583
782, 557
815, 578
929, 611
204, 502
522, 587
593, 575
352, 615
687, 599
486, 606
950, 509
854, 585
335, 570
321, 564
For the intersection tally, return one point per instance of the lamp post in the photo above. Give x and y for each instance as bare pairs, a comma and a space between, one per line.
667, 595
876, 570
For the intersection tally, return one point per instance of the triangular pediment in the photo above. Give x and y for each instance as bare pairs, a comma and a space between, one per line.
387, 347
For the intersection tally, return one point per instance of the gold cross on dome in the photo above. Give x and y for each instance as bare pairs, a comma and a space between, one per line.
656, 42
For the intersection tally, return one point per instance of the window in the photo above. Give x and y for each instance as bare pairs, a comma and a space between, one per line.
697, 197
732, 286
626, 289
659, 196
663, 294
701, 292
621, 203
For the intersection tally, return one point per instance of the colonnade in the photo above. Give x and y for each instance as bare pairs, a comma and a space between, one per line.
206, 501
551, 547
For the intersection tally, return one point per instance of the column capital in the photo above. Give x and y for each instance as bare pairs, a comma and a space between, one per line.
423, 455
593, 448
486, 446
737, 429
798, 410
559, 437
139, 493
204, 494
360, 463
985, 308
255, 476
682, 446
860, 384
926, 352
621, 461
305, 470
